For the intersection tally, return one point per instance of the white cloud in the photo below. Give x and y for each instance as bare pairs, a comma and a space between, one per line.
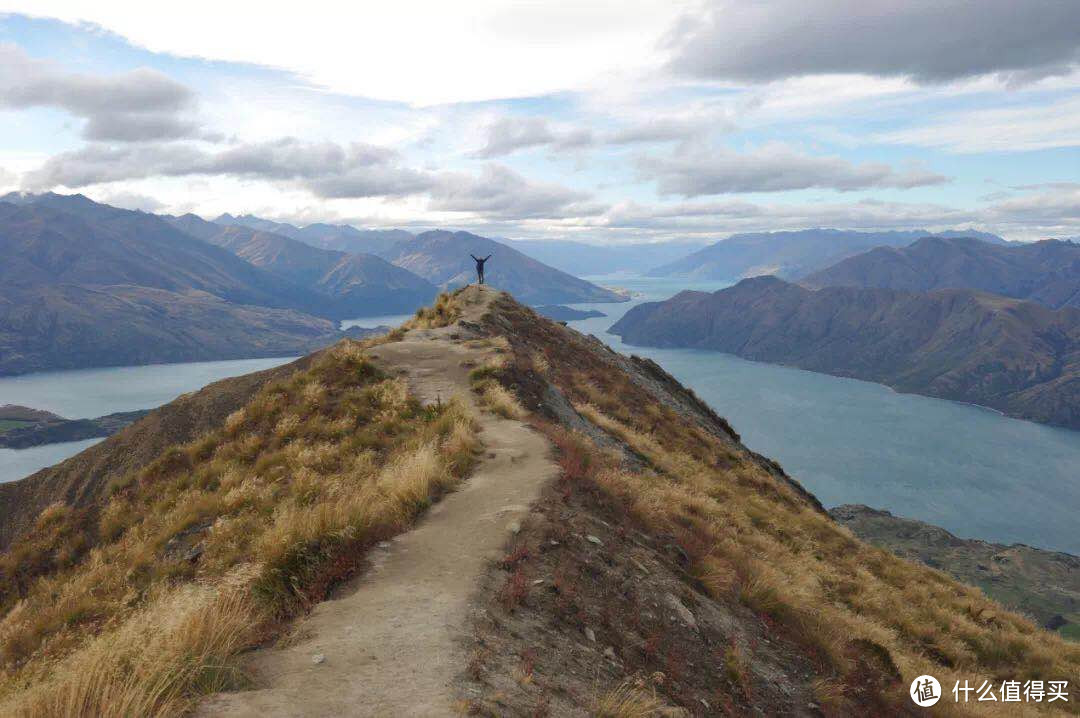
415, 51
1053, 209
1013, 129
693, 170
327, 169
741, 216
509, 134
935, 41
129, 200
500, 193
670, 128
141, 104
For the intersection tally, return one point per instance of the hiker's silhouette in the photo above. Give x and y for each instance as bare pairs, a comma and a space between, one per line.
480, 266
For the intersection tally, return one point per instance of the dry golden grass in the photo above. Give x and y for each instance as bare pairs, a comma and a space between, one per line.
181, 643
139, 608
628, 701
752, 537
749, 538
445, 311
494, 397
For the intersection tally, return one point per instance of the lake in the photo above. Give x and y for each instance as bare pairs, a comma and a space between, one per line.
89, 393
970, 470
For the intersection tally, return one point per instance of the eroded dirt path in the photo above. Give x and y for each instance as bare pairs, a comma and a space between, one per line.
393, 640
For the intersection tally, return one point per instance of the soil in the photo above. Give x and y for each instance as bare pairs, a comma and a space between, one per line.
391, 642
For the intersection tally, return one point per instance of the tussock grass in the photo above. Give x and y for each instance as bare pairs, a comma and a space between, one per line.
750, 540
182, 642
485, 383
138, 609
860, 613
445, 311
497, 399
628, 701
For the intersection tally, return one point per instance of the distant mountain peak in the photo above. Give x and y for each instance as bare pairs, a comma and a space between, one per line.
1046, 272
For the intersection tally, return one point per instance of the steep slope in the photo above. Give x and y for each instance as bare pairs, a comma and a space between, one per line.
84, 284
1047, 272
1018, 357
354, 285
49, 240
665, 569
1042, 584
442, 258
789, 254
73, 327
81, 481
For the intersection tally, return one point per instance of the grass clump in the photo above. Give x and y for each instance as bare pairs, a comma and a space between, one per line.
869, 621
138, 608
485, 382
750, 539
628, 700
498, 400
445, 311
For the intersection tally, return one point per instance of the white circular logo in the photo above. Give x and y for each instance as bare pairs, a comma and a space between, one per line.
925, 691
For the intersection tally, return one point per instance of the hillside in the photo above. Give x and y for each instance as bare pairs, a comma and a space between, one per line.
51, 432
1018, 357
443, 259
83, 284
352, 285
1046, 272
1038, 583
789, 254
50, 240
611, 549
73, 327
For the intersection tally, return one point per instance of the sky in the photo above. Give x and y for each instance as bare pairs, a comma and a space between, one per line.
604, 122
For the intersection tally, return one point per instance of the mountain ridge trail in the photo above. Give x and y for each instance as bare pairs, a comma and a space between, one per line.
390, 642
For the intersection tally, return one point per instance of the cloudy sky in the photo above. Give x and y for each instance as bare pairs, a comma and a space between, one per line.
632, 121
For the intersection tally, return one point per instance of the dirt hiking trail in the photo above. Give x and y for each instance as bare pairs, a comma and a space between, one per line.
391, 642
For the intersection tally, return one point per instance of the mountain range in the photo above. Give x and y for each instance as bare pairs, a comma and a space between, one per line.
486, 513
85, 284
443, 258
105, 287
1018, 357
354, 285
339, 237
439, 257
790, 254
1046, 272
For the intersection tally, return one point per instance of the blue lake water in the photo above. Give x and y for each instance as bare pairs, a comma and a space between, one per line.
970, 470
89, 393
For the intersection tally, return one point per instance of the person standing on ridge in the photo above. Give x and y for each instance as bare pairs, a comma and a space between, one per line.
480, 266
